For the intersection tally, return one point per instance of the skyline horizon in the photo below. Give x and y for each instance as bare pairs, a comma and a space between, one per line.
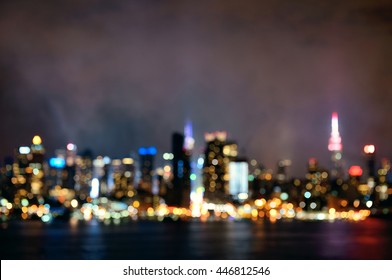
201, 150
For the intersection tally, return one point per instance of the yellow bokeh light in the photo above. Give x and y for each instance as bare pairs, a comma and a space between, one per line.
37, 140
150, 211
136, 204
127, 161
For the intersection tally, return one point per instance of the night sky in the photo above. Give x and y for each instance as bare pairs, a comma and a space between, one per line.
116, 76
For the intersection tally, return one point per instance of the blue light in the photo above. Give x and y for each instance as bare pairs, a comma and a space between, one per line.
147, 151
142, 151
57, 162
152, 151
180, 171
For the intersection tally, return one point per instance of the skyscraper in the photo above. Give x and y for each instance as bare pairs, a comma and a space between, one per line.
335, 147
122, 177
189, 141
84, 176
238, 180
179, 195
218, 155
37, 165
70, 166
369, 151
147, 156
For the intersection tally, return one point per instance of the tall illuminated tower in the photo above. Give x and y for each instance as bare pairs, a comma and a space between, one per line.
335, 147
216, 174
189, 141
37, 165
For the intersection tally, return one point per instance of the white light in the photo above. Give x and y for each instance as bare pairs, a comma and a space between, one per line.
24, 150
214, 161
369, 149
335, 124
242, 196
168, 156
74, 203
313, 205
94, 188
369, 204
71, 147
189, 143
238, 179
200, 162
307, 194
3, 202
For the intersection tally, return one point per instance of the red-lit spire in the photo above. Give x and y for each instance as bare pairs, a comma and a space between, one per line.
335, 142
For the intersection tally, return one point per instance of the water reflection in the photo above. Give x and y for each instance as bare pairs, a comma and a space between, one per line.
369, 239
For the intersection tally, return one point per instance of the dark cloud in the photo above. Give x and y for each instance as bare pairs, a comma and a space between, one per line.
117, 75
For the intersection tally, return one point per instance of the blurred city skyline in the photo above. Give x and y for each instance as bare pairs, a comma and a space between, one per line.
114, 77
200, 150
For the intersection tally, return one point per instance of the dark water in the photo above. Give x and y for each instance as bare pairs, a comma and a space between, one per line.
369, 239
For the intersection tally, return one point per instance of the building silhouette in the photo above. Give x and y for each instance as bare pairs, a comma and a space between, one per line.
179, 193
146, 157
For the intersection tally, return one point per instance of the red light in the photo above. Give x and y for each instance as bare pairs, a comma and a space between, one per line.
369, 149
355, 171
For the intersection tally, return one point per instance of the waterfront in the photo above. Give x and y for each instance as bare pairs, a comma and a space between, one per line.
368, 239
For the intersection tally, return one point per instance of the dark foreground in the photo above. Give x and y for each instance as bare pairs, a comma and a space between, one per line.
369, 239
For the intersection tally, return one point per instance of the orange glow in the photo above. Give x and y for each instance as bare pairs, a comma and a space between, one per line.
136, 204
355, 171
